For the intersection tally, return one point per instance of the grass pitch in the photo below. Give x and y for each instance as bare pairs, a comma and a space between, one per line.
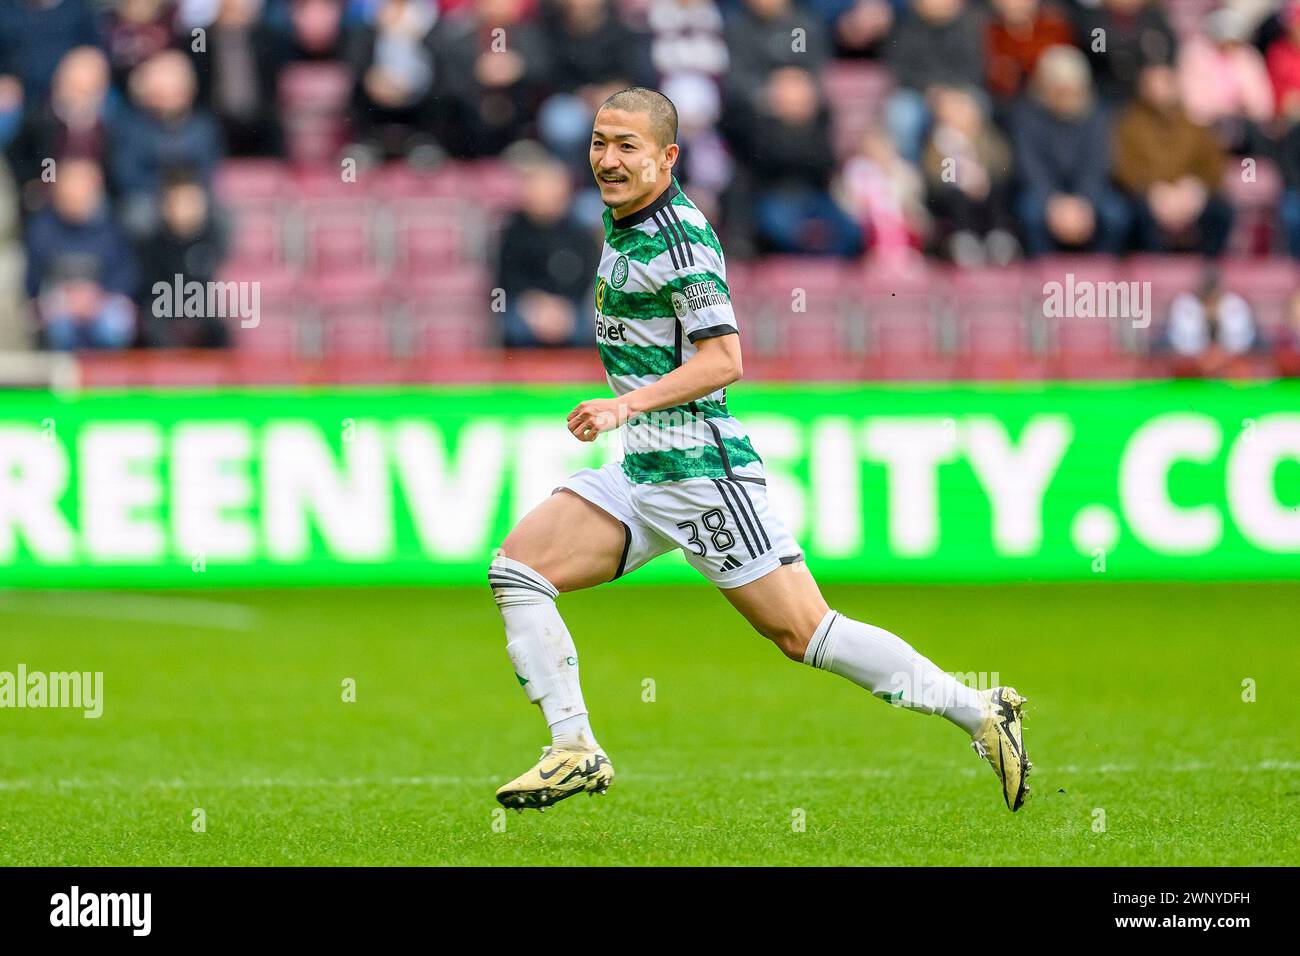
1144, 750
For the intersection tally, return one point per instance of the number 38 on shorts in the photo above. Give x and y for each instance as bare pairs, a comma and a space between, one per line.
724, 526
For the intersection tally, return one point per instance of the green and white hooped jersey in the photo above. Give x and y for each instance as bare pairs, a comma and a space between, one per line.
662, 287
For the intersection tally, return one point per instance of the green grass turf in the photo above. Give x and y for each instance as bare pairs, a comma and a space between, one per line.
1135, 710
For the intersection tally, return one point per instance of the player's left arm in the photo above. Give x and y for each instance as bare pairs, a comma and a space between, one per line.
716, 364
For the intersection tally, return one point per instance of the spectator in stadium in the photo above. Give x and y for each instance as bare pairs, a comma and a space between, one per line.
70, 125
1288, 159
704, 166
1061, 149
687, 38
967, 167
1286, 349
134, 30
15, 327
36, 34
1017, 35
545, 261
237, 79
765, 35
315, 32
80, 268
1210, 332
487, 93
165, 129
1283, 61
886, 193
786, 148
688, 52
858, 27
938, 43
1224, 83
1171, 170
1254, 15
1135, 33
191, 243
11, 109
593, 54
394, 68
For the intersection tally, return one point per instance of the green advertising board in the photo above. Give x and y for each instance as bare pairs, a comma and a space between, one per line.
1184, 480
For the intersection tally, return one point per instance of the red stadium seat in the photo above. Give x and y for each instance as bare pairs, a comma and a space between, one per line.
1266, 284
1055, 268
489, 182
343, 233
905, 338
1255, 201
1168, 274
327, 182
429, 234
350, 311
904, 323
241, 181
800, 305
360, 330
313, 99
399, 182
257, 235
445, 312
1090, 348
995, 347
279, 303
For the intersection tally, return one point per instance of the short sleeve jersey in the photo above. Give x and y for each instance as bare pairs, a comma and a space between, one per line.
661, 288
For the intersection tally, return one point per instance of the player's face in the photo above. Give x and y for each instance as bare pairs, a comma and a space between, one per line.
629, 165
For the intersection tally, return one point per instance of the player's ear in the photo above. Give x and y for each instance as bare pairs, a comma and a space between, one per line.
670, 156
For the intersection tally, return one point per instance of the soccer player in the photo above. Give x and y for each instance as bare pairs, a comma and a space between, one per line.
690, 479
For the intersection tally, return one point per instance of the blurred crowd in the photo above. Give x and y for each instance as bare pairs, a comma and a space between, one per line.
1007, 129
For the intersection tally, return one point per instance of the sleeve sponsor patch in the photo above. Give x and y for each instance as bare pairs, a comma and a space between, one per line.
697, 296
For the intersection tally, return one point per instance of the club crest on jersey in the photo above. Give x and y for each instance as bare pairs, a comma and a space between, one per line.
680, 305
618, 277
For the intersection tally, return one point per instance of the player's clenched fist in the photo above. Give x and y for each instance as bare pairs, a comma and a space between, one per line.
592, 417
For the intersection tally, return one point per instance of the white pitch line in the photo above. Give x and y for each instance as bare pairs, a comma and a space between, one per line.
269, 783
135, 608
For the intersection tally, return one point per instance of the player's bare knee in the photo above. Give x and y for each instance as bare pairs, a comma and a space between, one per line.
547, 562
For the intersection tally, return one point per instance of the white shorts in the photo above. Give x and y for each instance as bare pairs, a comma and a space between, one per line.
725, 526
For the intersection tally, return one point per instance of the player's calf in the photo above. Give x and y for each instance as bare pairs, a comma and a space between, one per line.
792, 641
784, 606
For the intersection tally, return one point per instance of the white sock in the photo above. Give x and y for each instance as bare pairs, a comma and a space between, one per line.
542, 651
892, 670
